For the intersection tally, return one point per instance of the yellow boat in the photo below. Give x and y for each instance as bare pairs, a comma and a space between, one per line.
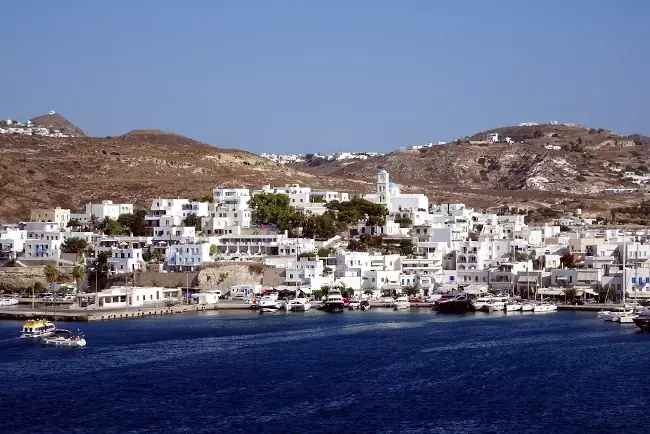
36, 328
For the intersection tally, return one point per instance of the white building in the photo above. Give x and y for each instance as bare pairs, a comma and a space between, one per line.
389, 195
103, 210
187, 256
57, 215
125, 260
43, 240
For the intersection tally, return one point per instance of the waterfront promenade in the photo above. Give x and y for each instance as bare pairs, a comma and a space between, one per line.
64, 312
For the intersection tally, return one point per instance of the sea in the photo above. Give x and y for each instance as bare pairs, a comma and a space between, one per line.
379, 371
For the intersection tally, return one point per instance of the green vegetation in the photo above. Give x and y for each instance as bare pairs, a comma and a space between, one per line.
404, 222
569, 294
112, 227
213, 249
193, 220
518, 256
134, 222
366, 242
356, 209
51, 274
74, 223
274, 208
323, 252
321, 227
78, 275
74, 245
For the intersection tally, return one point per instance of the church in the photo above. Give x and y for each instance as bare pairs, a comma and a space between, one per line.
388, 194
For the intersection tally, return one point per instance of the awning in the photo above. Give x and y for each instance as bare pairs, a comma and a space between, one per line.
638, 294
474, 289
525, 279
549, 291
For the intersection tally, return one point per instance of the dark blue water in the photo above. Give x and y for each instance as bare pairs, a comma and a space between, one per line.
359, 372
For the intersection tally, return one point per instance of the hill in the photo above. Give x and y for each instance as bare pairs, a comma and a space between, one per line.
38, 171
58, 122
547, 158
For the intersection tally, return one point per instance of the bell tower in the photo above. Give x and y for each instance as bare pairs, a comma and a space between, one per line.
383, 192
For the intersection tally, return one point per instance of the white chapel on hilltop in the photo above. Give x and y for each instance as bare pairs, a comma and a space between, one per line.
388, 194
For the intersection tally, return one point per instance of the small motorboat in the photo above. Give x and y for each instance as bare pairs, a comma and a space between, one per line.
298, 305
8, 301
402, 303
354, 304
365, 305
65, 338
527, 307
269, 303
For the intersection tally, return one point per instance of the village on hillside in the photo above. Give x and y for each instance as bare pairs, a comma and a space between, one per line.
382, 244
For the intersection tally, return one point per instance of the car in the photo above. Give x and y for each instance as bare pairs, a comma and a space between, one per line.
416, 300
48, 296
68, 297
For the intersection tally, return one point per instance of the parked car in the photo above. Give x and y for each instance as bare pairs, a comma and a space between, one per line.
416, 300
48, 296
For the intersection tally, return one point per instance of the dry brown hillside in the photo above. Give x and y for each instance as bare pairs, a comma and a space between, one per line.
58, 122
43, 171
582, 165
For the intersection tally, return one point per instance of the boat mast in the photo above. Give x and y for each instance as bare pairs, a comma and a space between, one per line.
624, 278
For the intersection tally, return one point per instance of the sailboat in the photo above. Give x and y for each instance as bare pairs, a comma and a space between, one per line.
627, 317
511, 304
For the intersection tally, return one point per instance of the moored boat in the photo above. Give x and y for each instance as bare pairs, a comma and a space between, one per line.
364, 305
269, 303
459, 304
545, 307
298, 305
402, 302
8, 301
527, 307
496, 304
642, 321
334, 301
513, 307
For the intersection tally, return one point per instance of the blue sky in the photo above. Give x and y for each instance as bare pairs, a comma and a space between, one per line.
305, 76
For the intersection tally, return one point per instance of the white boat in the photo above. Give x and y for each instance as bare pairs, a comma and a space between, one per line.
269, 303
354, 304
37, 328
527, 307
334, 301
513, 307
481, 302
65, 338
626, 318
545, 307
401, 302
9, 301
298, 305
365, 305
496, 304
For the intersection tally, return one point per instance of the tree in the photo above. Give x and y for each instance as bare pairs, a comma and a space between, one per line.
324, 251
112, 227
74, 245
51, 274
569, 293
274, 208
410, 291
318, 294
376, 220
567, 260
74, 223
93, 221
134, 222
39, 288
404, 222
78, 275
193, 220
320, 226
327, 271
213, 249
102, 264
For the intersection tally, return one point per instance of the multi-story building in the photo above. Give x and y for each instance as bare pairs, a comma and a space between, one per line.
125, 260
187, 256
55, 215
103, 210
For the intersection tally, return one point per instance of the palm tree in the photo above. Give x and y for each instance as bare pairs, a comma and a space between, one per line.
78, 274
51, 274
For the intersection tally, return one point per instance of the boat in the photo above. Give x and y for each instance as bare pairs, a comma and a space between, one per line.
354, 304
642, 320
459, 304
8, 301
402, 302
334, 301
527, 307
269, 303
481, 302
626, 318
364, 305
513, 306
298, 305
496, 304
37, 328
545, 307
610, 315
65, 338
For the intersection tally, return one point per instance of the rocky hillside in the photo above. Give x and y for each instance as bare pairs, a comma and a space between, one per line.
40, 171
58, 122
583, 164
